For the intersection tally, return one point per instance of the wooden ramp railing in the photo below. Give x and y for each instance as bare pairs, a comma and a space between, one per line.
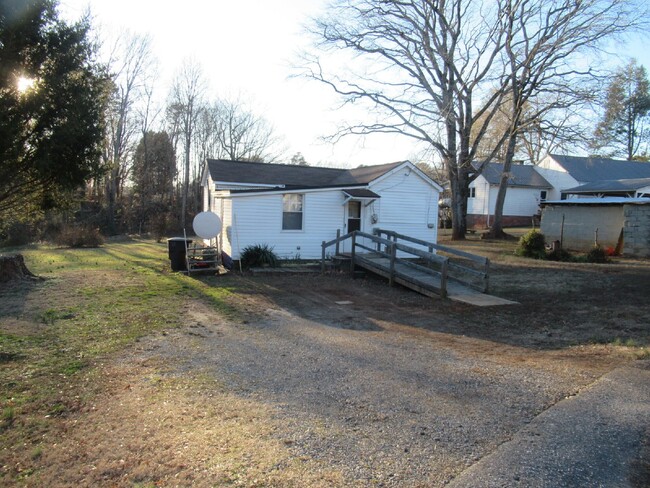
426, 271
421, 270
464, 267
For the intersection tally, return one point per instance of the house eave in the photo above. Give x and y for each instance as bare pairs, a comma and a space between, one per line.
311, 189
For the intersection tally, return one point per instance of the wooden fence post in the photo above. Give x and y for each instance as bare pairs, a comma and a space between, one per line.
393, 255
338, 236
352, 251
443, 278
486, 276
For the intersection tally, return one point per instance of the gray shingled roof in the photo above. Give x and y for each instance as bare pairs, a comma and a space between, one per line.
611, 186
290, 176
588, 169
520, 175
360, 193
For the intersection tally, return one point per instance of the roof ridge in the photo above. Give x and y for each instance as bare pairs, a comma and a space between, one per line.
275, 164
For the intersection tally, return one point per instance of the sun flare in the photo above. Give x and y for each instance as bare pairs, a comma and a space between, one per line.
25, 84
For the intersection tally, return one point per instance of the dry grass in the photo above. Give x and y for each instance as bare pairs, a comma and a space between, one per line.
74, 415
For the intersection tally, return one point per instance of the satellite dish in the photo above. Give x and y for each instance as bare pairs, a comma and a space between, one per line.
207, 225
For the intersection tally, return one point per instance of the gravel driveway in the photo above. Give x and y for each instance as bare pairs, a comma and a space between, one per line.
366, 379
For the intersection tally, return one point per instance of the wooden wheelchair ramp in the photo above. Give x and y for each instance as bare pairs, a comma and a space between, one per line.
463, 279
426, 283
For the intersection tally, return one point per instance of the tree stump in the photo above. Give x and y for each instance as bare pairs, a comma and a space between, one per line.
13, 268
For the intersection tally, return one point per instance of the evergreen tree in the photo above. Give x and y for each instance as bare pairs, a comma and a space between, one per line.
154, 170
52, 97
624, 127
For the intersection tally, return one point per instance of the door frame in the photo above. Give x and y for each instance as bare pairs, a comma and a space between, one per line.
346, 220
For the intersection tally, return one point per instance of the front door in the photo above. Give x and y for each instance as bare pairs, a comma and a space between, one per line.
354, 216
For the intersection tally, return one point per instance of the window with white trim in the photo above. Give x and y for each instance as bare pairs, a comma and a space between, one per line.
292, 206
472, 192
542, 195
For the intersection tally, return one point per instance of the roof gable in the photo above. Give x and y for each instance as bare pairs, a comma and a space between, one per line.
589, 169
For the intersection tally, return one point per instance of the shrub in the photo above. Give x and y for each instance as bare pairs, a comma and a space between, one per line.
20, 233
159, 225
531, 245
560, 254
597, 255
259, 255
79, 236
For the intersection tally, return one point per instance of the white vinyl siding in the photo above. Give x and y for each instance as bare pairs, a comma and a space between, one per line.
557, 176
257, 219
408, 205
520, 201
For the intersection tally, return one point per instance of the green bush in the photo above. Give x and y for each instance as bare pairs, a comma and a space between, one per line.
560, 254
258, 255
531, 245
597, 255
79, 236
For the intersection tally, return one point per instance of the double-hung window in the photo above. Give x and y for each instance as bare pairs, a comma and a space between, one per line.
292, 211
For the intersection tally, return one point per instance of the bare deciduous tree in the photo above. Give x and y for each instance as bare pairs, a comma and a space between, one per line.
431, 71
543, 39
243, 135
130, 63
438, 71
185, 105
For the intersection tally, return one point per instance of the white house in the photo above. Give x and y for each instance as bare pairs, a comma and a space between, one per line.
294, 208
526, 190
602, 176
554, 178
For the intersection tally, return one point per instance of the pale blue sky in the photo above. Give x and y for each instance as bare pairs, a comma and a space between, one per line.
247, 46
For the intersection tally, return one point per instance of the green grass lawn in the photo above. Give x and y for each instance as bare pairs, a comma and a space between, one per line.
90, 303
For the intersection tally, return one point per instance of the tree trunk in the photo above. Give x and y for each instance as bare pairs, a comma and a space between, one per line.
13, 268
496, 230
458, 181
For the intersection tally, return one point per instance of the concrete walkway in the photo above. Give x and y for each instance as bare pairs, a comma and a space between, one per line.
598, 438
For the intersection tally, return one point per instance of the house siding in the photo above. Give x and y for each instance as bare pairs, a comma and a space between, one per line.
408, 205
223, 208
257, 219
557, 176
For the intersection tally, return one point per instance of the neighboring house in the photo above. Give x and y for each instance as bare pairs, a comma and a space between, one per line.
555, 178
628, 188
526, 189
295, 208
566, 173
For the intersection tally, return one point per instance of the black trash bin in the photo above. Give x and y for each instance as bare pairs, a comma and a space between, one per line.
176, 249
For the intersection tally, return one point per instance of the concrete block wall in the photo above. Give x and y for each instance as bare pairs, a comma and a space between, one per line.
577, 225
636, 230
